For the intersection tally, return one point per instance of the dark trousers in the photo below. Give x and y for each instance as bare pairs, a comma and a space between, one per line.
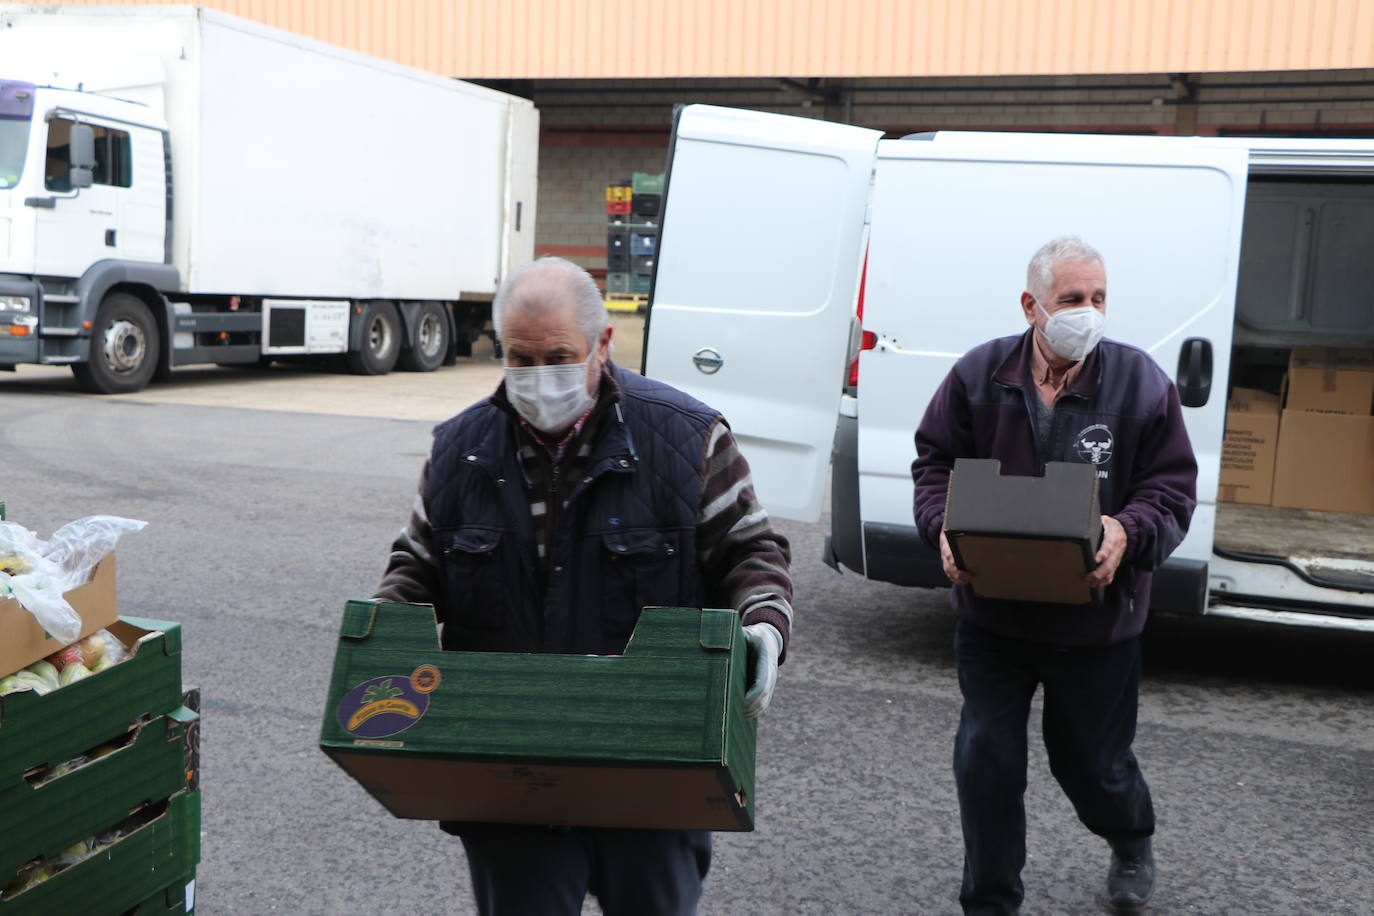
544, 872
1089, 721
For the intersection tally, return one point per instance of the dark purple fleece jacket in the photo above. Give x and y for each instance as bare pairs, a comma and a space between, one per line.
1122, 413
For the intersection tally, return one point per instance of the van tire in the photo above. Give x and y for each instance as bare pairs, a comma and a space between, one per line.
429, 339
380, 345
125, 344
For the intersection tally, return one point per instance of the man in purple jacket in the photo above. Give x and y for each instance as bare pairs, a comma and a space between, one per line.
1058, 392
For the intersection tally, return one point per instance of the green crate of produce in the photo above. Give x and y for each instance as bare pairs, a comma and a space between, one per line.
38, 731
645, 183
617, 283
178, 897
47, 810
157, 845
654, 738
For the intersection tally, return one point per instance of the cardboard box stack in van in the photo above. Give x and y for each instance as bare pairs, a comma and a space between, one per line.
1248, 451
1325, 457
1025, 538
99, 755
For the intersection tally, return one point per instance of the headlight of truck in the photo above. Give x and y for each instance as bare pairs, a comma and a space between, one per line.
15, 303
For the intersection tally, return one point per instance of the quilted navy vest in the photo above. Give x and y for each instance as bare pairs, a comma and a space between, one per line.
625, 541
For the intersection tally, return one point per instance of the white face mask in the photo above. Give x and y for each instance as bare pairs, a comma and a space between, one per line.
1072, 333
550, 398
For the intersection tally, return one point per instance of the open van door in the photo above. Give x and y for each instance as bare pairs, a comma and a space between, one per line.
759, 253
957, 216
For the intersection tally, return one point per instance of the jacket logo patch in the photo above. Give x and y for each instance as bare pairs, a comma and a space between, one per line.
1094, 444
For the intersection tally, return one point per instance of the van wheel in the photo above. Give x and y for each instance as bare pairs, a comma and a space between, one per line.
124, 347
381, 343
428, 339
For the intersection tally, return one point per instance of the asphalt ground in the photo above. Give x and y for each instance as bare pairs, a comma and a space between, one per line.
272, 496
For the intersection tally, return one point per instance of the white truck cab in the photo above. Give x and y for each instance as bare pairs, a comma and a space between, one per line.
179, 187
821, 324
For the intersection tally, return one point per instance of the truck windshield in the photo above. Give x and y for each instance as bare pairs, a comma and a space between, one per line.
14, 144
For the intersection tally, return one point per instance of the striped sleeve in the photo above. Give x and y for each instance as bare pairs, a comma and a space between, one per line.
743, 560
412, 574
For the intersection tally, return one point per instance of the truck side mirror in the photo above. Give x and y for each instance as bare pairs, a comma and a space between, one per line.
1194, 377
81, 157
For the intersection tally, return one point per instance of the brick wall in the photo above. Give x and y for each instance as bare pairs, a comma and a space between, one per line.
598, 132
573, 173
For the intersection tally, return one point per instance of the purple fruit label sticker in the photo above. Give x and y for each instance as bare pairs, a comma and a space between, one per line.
387, 705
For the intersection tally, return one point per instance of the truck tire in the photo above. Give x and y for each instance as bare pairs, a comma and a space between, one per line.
125, 344
429, 336
381, 342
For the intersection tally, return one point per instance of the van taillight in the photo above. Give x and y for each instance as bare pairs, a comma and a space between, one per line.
867, 339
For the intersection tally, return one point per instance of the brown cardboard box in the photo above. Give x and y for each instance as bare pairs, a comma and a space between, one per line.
23, 641
1247, 453
1325, 461
1025, 538
1331, 381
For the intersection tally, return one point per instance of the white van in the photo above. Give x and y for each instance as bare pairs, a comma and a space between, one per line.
778, 231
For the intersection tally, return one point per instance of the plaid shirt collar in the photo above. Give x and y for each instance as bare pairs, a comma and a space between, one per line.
558, 449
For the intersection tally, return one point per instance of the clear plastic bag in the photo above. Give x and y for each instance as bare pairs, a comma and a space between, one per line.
45, 570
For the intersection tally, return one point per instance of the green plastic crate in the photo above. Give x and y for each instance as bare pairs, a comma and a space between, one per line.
47, 730
656, 737
617, 283
646, 183
124, 875
45, 819
639, 284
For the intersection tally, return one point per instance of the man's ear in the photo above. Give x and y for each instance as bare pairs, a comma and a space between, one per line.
1028, 307
603, 343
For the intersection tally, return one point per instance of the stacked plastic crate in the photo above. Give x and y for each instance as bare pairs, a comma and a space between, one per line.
633, 210
99, 787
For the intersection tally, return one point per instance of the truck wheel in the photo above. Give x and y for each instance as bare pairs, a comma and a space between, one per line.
124, 347
428, 339
381, 343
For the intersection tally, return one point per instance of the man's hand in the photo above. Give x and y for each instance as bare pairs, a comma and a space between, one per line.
765, 645
956, 575
1109, 555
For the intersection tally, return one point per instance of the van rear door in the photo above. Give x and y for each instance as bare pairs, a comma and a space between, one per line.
955, 220
759, 253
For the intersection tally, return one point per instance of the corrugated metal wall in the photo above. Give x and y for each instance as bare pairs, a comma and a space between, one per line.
604, 39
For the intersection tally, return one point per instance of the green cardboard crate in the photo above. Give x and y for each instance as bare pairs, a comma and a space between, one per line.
47, 730
177, 897
655, 738
44, 818
124, 875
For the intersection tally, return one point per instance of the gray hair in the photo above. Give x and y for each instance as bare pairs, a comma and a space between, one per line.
547, 273
1040, 272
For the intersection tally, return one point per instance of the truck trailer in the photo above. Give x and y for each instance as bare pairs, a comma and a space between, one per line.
179, 186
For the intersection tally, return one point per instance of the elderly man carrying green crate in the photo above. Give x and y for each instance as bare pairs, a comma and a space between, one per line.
549, 515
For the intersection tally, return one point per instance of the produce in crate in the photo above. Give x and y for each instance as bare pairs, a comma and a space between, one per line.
15, 565
41, 871
97, 652
64, 657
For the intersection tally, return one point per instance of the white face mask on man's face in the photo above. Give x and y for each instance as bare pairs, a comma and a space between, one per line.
550, 398
1072, 333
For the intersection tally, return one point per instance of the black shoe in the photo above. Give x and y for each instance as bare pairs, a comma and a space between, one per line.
1130, 881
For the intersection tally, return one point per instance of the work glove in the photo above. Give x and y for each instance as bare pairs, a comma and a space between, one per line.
765, 645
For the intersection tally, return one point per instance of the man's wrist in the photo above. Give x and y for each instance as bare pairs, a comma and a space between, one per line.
774, 617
